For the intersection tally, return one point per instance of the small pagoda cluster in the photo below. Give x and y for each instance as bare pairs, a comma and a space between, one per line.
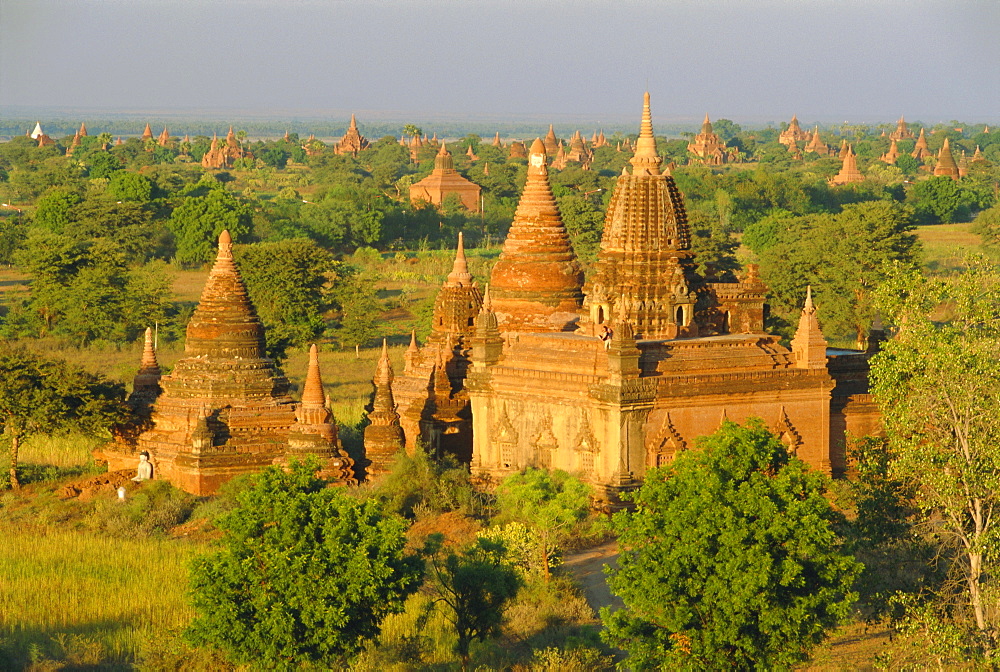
793, 134
225, 409
222, 155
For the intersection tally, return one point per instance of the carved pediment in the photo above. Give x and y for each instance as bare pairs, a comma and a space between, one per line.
585, 439
787, 433
666, 443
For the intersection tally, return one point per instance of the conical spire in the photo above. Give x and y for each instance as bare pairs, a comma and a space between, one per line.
412, 356
383, 372
312, 391
460, 276
496, 140
147, 134
83, 129
809, 345
443, 161
645, 160
537, 277
354, 123
225, 324
706, 126
149, 363
849, 170
946, 165
551, 143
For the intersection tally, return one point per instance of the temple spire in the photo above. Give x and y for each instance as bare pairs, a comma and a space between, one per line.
383, 436
149, 363
383, 372
946, 165
809, 345
312, 391
460, 276
645, 160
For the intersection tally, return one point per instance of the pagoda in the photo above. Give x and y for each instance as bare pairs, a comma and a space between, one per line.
946, 165
793, 133
579, 152
551, 142
660, 357
432, 402
147, 133
536, 284
518, 150
383, 436
707, 146
920, 150
225, 409
164, 138
353, 142
444, 180
893, 153
849, 170
817, 146
645, 263
902, 131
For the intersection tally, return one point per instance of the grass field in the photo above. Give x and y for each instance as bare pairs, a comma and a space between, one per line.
946, 246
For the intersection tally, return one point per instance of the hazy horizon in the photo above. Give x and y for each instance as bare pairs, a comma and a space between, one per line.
825, 61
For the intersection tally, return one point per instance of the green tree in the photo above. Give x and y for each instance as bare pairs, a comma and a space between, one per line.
289, 284
54, 210
198, 221
128, 186
987, 226
475, 584
940, 200
103, 164
730, 559
39, 394
306, 573
936, 382
549, 501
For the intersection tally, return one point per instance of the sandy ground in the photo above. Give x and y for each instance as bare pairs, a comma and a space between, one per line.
587, 567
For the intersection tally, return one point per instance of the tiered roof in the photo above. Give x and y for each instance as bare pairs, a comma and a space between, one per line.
946, 165
849, 171
537, 283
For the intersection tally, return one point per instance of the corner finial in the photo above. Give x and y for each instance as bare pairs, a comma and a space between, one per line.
809, 299
460, 275
225, 245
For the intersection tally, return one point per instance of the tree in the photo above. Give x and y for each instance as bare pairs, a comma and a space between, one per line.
987, 226
940, 200
288, 283
548, 501
475, 584
936, 382
306, 573
54, 210
38, 394
128, 186
729, 560
198, 221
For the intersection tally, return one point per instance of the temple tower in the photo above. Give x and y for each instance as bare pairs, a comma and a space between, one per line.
645, 263
893, 153
707, 145
816, 145
849, 171
793, 133
353, 142
537, 283
920, 150
902, 131
225, 410
147, 133
384, 435
946, 165
444, 180
809, 345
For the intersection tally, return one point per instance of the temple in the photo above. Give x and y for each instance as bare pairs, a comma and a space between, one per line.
816, 145
616, 376
849, 170
222, 155
225, 409
445, 180
946, 165
902, 131
353, 142
707, 146
793, 133
920, 150
893, 153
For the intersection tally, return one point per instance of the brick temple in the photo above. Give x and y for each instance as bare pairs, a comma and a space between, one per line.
519, 375
225, 409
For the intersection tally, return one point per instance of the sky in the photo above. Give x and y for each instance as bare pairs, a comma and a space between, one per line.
746, 60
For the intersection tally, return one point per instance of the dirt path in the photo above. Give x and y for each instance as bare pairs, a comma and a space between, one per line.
587, 567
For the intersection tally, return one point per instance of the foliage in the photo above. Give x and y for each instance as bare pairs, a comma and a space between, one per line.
936, 382
730, 559
419, 483
987, 226
939, 200
38, 394
198, 221
289, 284
306, 573
128, 186
475, 584
841, 256
549, 501
86, 290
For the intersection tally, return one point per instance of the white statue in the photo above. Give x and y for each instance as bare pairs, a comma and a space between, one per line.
145, 470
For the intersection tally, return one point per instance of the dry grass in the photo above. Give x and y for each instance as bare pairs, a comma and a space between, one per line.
946, 246
114, 594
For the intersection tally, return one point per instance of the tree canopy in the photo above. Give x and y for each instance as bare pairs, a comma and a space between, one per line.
730, 559
305, 574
